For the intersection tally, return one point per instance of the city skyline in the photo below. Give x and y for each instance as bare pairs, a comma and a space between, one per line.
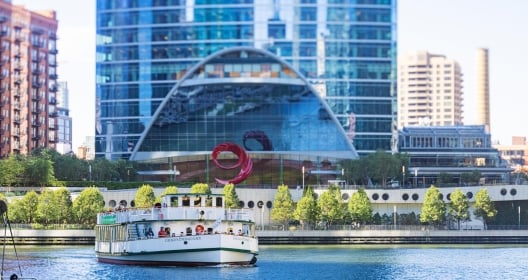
422, 25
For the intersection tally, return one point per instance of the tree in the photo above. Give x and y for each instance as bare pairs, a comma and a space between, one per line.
433, 208
145, 197
283, 205
200, 188
331, 205
359, 207
168, 190
459, 206
29, 204
11, 170
307, 210
231, 197
383, 165
39, 170
484, 207
48, 208
63, 200
87, 205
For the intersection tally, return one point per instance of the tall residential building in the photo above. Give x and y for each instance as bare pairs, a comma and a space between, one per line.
64, 121
28, 79
307, 80
483, 105
429, 90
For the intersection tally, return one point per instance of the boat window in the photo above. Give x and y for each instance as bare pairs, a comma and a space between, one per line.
218, 202
174, 201
186, 201
197, 201
209, 201
189, 230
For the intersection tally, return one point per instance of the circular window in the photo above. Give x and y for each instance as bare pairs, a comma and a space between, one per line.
241, 204
415, 196
469, 195
344, 196
385, 196
269, 204
449, 196
375, 196
132, 203
504, 191
112, 203
123, 203
405, 196
441, 196
251, 204
260, 204
513, 191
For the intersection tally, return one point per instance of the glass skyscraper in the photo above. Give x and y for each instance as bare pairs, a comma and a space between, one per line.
298, 79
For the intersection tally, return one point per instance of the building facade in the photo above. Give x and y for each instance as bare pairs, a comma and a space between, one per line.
429, 90
483, 104
453, 151
206, 69
28, 79
64, 121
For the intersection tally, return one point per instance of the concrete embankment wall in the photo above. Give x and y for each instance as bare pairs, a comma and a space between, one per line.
279, 237
394, 237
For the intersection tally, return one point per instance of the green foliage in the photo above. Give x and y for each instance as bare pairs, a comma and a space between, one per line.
444, 178
87, 205
471, 178
375, 167
39, 170
145, 197
62, 198
11, 169
433, 208
360, 208
307, 210
44, 208
28, 207
484, 207
168, 190
331, 205
200, 188
283, 205
459, 206
231, 197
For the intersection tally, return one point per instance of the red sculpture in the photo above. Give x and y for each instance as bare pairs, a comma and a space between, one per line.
244, 161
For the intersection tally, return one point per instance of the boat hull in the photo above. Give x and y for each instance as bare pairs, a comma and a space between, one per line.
204, 250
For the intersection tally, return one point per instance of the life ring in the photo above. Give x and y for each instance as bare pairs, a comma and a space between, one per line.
199, 229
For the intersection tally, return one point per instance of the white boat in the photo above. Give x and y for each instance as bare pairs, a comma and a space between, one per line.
183, 230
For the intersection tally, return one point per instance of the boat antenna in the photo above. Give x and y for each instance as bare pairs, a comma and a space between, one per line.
3, 213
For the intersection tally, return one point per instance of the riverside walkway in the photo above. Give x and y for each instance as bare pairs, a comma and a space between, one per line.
307, 237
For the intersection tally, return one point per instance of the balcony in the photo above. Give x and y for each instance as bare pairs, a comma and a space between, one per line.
36, 85
53, 101
53, 76
53, 88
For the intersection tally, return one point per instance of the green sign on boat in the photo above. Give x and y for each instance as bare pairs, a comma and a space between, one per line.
109, 219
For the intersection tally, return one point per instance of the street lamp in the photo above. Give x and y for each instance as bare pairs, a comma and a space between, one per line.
90, 172
303, 178
403, 173
395, 215
415, 177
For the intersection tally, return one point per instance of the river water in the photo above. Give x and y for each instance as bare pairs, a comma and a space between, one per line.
293, 262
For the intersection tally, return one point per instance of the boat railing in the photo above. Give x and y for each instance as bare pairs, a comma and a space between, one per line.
173, 213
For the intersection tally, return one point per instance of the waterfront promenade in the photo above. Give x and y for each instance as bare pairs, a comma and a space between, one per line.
307, 237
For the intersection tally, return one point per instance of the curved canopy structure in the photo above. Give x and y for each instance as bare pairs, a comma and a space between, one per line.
245, 96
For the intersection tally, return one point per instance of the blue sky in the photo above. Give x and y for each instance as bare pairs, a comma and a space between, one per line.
454, 28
